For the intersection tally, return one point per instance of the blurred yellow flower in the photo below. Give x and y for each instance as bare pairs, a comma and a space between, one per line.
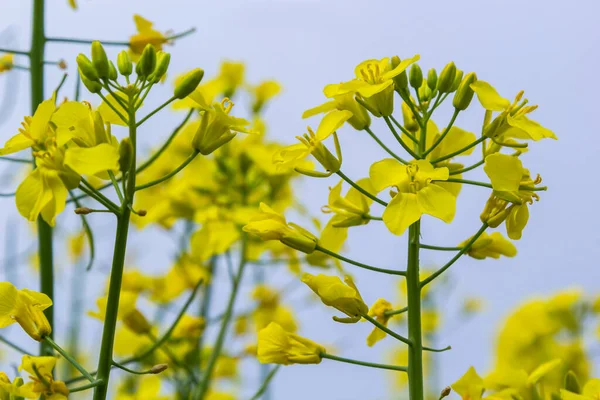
6, 62
377, 311
146, 35
40, 372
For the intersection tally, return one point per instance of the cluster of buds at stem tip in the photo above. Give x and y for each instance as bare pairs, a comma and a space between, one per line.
97, 72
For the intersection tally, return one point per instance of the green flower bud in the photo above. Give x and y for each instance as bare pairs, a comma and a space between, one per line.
572, 383
147, 61
99, 59
86, 68
432, 79
125, 155
188, 83
92, 86
464, 93
457, 80
112, 71
400, 81
424, 92
124, 63
162, 64
446, 79
415, 77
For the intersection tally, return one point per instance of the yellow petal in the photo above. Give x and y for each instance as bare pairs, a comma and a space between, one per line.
386, 173
533, 129
58, 198
543, 370
31, 196
437, 202
331, 123
489, 97
505, 172
516, 221
402, 211
39, 122
92, 160
16, 143
8, 301
323, 108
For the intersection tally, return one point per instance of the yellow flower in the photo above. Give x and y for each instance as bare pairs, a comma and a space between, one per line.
518, 380
417, 192
73, 4
334, 293
146, 35
148, 389
214, 238
262, 93
591, 391
6, 62
494, 246
374, 82
360, 118
351, 210
276, 346
217, 127
26, 308
231, 76
312, 143
378, 310
270, 225
189, 327
469, 386
128, 312
16, 388
512, 121
40, 371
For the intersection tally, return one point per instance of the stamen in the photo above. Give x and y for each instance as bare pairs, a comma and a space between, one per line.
227, 105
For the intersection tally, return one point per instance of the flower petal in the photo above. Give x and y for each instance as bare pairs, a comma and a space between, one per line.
437, 202
331, 123
386, 173
402, 211
533, 129
92, 160
489, 97
505, 172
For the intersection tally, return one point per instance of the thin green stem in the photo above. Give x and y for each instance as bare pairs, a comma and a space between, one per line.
175, 360
116, 186
384, 147
360, 189
70, 359
404, 130
112, 42
443, 135
17, 160
170, 174
399, 139
387, 330
489, 185
13, 346
204, 310
373, 217
218, 346
163, 105
457, 152
363, 363
11, 51
108, 103
359, 264
415, 335
94, 195
396, 312
425, 348
440, 248
88, 231
86, 387
131, 371
456, 257
265, 385
467, 169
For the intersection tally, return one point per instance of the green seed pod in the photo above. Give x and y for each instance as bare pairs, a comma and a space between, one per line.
188, 83
162, 64
572, 383
464, 93
125, 155
147, 61
401, 80
415, 77
99, 59
92, 86
446, 78
124, 63
112, 71
86, 68
457, 80
432, 79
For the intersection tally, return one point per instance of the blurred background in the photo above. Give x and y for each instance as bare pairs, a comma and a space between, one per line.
549, 49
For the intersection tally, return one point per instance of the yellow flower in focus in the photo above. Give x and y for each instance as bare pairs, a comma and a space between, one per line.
40, 372
146, 35
34, 132
416, 192
312, 143
469, 386
25, 307
270, 225
262, 93
494, 246
512, 121
276, 346
360, 118
6, 62
377, 311
334, 293
374, 82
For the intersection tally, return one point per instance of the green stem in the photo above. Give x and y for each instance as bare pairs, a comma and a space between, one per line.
70, 359
467, 169
94, 195
204, 309
11, 51
396, 312
457, 152
415, 352
456, 257
265, 385
443, 135
384, 147
387, 330
13, 345
108, 103
163, 105
132, 371
359, 264
439, 248
404, 130
116, 273
489, 185
364, 363
18, 160
425, 348
399, 139
218, 346
111, 42
360, 189
86, 387
170, 174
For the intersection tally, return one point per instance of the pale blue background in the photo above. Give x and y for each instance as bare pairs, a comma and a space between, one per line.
548, 48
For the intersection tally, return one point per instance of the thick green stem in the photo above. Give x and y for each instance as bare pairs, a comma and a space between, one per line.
415, 351
116, 273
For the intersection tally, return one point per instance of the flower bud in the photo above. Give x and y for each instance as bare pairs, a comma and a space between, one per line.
112, 71
92, 86
125, 155
494, 212
301, 240
446, 79
162, 64
34, 322
158, 368
401, 80
83, 211
464, 93
457, 80
445, 392
86, 68
410, 122
147, 61
572, 383
188, 83
432, 79
415, 76
124, 63
99, 59
424, 93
